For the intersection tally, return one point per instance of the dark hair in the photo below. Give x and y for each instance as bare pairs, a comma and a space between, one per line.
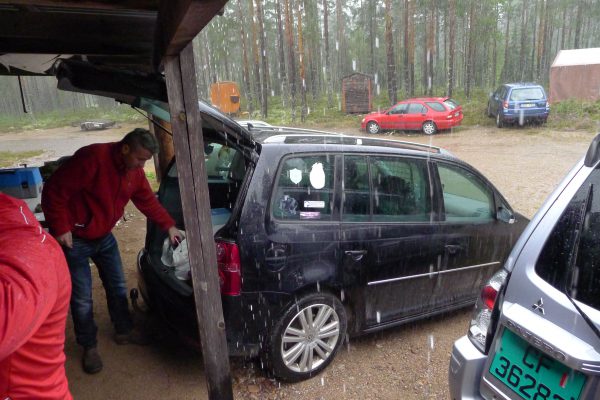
141, 137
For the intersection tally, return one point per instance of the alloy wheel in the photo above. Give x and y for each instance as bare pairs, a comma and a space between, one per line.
310, 338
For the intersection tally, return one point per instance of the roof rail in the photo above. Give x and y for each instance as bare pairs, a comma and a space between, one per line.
288, 134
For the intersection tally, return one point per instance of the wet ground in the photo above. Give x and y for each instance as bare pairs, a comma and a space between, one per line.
407, 362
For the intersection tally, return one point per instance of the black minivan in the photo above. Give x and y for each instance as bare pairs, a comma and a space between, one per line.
322, 236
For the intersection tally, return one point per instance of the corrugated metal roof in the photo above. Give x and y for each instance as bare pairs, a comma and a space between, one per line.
577, 57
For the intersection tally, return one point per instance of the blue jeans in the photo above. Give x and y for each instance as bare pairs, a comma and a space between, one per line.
105, 254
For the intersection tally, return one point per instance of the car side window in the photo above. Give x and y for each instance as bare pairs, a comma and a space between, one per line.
416, 108
570, 258
304, 188
400, 189
399, 109
356, 193
466, 197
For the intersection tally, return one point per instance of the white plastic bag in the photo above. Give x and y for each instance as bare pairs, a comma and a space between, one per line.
177, 257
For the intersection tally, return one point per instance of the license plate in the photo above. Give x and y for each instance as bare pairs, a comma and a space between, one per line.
532, 374
527, 105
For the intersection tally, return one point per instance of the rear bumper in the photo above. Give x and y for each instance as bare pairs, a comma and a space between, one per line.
178, 310
465, 370
526, 114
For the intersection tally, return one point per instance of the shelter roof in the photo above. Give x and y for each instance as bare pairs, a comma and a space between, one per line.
577, 57
131, 35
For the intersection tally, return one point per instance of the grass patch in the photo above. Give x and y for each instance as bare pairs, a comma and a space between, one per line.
59, 118
9, 158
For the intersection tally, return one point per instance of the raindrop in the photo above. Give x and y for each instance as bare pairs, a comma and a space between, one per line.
337, 45
378, 317
377, 42
344, 387
353, 65
378, 90
272, 93
376, 77
308, 110
318, 287
342, 295
250, 307
431, 341
322, 381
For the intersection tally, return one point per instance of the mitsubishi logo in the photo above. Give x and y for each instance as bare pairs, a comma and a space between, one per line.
539, 306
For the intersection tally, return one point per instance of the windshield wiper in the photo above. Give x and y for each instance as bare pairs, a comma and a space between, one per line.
572, 273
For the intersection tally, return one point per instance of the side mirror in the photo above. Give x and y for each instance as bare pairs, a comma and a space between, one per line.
505, 215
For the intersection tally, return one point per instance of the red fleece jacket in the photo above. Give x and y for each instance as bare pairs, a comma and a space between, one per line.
88, 193
35, 288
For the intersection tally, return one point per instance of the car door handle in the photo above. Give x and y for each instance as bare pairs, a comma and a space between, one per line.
356, 255
453, 249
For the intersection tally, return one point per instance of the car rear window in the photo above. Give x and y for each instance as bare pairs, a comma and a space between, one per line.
525, 94
570, 259
436, 106
451, 103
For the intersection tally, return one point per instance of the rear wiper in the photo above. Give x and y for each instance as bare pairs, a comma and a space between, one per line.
572, 273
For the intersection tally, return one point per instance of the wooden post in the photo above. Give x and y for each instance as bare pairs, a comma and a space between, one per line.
189, 150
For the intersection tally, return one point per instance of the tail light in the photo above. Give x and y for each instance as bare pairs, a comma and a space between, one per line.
505, 105
482, 315
230, 272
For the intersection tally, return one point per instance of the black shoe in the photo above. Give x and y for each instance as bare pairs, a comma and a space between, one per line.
91, 361
134, 336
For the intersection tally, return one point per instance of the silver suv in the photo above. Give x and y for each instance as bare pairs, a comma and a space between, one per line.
535, 328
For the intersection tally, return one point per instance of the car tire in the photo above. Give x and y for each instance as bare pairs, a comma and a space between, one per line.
373, 127
429, 128
499, 121
307, 337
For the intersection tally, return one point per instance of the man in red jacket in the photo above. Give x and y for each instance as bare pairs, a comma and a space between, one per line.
82, 201
34, 300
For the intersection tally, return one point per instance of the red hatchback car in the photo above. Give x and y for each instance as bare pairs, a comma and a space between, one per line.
426, 114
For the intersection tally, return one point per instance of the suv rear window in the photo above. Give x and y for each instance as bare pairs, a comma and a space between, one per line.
525, 94
570, 259
304, 188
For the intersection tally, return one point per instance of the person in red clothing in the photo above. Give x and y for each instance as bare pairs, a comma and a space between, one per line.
82, 201
34, 300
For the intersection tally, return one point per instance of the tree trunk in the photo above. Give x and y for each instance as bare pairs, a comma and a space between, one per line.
505, 67
264, 89
451, 35
301, 63
340, 44
578, 24
328, 71
289, 32
255, 54
245, 64
391, 61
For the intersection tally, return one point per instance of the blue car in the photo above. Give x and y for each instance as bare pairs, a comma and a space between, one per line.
518, 103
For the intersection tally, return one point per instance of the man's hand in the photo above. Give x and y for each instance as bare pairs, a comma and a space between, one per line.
66, 239
175, 236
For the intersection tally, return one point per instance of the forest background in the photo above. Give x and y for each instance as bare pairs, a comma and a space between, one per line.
289, 58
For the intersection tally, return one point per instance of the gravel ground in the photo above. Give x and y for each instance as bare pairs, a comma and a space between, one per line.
406, 362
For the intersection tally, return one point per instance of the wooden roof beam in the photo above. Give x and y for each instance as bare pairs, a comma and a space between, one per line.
143, 5
179, 22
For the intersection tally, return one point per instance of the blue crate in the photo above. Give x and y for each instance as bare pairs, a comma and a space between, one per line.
22, 183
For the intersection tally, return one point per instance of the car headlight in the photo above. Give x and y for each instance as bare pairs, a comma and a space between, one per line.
482, 315
363, 121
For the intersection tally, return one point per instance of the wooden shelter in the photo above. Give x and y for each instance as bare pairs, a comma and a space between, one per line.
225, 96
575, 74
357, 93
128, 50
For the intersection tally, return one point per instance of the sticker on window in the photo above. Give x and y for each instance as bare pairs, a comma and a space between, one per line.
310, 215
295, 176
314, 204
317, 176
288, 205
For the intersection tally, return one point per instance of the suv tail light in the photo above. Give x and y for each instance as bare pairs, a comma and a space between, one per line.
230, 272
482, 315
505, 105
